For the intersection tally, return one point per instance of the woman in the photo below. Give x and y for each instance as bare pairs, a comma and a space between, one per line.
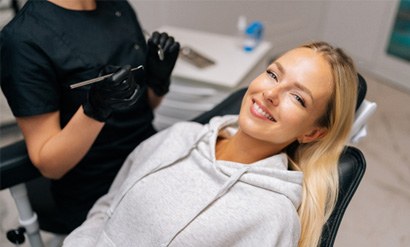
267, 177
80, 137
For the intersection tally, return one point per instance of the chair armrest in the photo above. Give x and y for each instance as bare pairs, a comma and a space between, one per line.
363, 113
15, 165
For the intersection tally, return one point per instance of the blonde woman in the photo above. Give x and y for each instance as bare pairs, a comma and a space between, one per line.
267, 177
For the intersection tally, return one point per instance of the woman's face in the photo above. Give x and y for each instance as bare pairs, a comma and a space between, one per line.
284, 103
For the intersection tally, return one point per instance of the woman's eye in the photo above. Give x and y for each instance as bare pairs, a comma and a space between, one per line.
300, 100
272, 75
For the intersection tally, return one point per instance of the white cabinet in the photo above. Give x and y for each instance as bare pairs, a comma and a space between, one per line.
195, 90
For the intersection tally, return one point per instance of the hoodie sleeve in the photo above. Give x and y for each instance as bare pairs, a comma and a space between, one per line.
88, 233
138, 162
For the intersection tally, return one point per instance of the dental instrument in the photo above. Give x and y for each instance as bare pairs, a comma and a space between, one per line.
97, 79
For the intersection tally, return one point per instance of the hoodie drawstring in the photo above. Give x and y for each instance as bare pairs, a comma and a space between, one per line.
223, 190
157, 168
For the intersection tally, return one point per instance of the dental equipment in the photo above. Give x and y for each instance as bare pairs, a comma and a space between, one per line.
97, 79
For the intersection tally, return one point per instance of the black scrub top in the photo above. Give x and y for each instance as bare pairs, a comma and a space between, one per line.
44, 50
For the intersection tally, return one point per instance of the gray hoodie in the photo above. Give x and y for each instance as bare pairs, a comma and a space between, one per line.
171, 191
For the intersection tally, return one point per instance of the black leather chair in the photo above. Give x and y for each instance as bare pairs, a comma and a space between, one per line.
16, 169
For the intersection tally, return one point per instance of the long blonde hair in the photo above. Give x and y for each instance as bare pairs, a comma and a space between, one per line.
318, 160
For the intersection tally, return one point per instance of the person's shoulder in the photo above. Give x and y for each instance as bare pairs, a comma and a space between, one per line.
190, 129
12, 36
280, 214
170, 141
182, 133
182, 124
186, 127
24, 25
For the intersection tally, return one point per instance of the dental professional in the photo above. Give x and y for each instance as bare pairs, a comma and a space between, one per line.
80, 137
267, 177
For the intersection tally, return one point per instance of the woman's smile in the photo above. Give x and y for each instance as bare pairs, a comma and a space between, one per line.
260, 111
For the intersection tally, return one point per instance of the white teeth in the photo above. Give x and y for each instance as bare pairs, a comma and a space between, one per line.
262, 112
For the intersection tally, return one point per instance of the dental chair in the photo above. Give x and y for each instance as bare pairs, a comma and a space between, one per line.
16, 171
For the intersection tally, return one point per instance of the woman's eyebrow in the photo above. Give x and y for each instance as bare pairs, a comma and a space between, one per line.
297, 84
280, 67
304, 89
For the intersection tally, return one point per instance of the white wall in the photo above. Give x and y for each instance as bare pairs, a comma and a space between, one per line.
287, 23
363, 28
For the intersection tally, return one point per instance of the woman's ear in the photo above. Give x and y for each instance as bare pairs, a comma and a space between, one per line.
314, 135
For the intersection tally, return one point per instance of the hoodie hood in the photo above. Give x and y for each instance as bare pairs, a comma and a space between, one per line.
178, 148
270, 173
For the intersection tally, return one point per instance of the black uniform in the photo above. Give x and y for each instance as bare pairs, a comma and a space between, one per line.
44, 49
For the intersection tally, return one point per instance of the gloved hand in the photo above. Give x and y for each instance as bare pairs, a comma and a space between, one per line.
117, 92
159, 71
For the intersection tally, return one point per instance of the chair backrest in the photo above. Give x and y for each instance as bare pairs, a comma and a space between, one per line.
352, 166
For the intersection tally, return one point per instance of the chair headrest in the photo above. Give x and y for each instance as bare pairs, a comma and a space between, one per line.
361, 90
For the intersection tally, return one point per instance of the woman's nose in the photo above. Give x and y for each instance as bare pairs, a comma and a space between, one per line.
271, 95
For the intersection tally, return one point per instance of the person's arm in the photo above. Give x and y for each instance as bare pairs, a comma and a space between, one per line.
55, 150
154, 100
90, 231
33, 91
136, 165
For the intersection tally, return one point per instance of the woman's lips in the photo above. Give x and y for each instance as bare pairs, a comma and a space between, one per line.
261, 112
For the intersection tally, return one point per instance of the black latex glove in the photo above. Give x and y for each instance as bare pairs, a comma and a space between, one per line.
117, 92
159, 71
